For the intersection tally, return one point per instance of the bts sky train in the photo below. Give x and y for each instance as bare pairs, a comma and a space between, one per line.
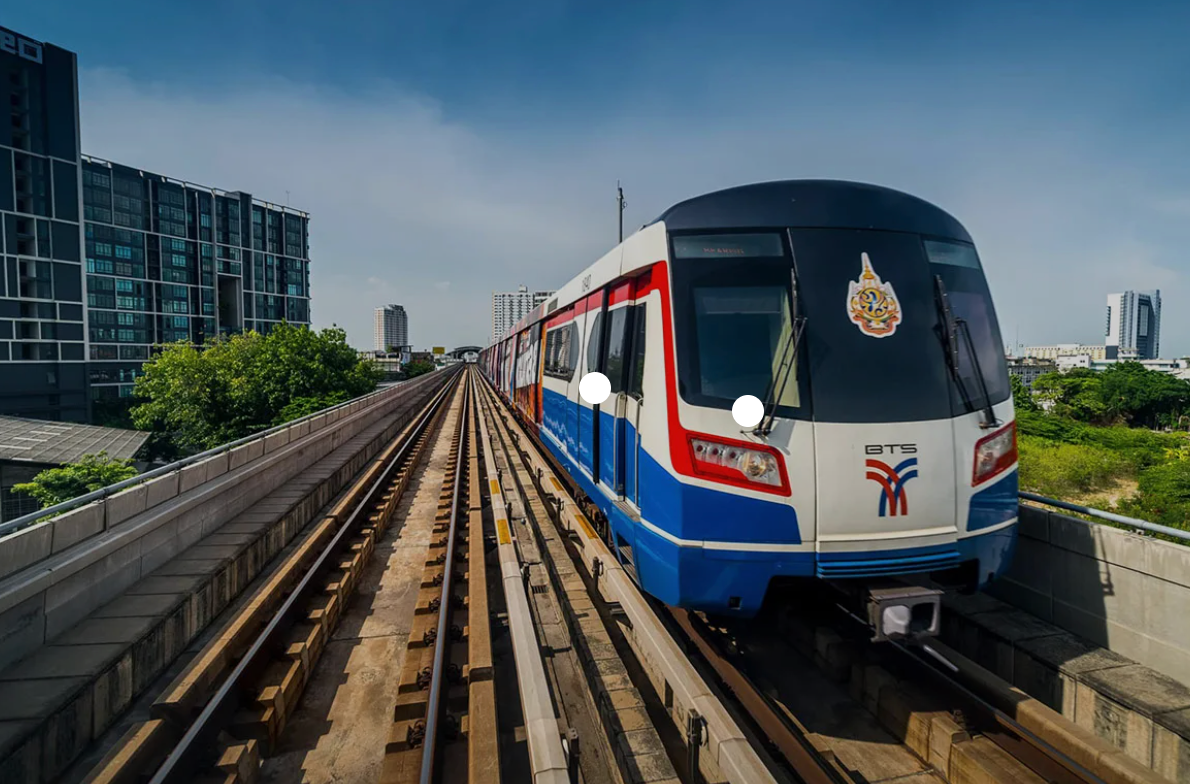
860, 316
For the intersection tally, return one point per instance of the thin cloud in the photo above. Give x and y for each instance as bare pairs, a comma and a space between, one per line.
412, 207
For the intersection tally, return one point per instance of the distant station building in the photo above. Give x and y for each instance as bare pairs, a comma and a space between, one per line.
1058, 350
102, 261
29, 446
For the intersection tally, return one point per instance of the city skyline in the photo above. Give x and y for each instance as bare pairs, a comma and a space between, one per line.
1045, 169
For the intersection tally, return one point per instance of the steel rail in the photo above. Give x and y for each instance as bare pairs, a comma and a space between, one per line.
995, 724
185, 757
779, 728
442, 642
23, 521
547, 756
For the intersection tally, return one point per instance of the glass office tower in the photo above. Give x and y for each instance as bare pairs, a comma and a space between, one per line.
171, 261
101, 262
42, 337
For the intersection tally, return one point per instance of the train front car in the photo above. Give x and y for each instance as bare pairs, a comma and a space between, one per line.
861, 317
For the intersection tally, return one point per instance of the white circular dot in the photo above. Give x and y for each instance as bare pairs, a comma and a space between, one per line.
595, 387
747, 410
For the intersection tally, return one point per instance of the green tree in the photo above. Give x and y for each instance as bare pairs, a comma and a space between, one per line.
1075, 394
304, 406
1141, 396
417, 368
1022, 398
235, 386
92, 472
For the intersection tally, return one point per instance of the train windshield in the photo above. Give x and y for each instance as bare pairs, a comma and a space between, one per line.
957, 264
873, 349
733, 308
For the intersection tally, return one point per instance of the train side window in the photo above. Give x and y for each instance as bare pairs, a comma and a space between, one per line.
551, 353
558, 353
636, 374
593, 343
572, 350
617, 339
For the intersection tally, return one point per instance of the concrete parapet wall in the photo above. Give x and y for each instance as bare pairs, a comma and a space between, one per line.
54, 574
1124, 591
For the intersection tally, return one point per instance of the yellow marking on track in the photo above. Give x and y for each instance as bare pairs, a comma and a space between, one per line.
557, 484
495, 486
585, 524
503, 536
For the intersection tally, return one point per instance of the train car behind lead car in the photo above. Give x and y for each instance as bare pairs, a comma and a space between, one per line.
862, 319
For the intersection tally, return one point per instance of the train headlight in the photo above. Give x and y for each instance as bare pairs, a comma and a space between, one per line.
759, 466
732, 461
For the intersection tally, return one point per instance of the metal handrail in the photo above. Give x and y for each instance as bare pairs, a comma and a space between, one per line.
1115, 518
10, 526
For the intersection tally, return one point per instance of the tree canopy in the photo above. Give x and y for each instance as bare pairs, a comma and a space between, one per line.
1126, 393
418, 367
92, 472
233, 387
1022, 398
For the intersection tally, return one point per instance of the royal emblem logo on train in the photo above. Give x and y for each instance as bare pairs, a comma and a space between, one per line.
892, 480
872, 304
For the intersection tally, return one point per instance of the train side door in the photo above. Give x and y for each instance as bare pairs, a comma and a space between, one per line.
629, 412
588, 415
614, 365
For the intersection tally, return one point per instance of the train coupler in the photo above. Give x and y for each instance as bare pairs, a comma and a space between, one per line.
898, 611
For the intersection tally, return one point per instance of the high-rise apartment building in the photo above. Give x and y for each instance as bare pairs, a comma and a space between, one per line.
101, 262
509, 307
392, 328
1133, 325
172, 261
43, 371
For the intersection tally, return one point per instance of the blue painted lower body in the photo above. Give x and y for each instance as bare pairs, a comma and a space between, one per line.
719, 579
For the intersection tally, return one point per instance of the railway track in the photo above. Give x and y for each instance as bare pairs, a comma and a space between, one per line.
949, 726
530, 655
446, 692
230, 705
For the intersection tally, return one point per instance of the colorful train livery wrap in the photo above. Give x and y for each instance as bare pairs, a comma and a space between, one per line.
862, 319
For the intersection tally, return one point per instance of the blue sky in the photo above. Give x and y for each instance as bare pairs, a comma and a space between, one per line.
446, 149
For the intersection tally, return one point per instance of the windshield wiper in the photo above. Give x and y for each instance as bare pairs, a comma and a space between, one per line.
951, 327
785, 367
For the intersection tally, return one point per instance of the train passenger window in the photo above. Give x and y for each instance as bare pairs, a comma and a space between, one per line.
551, 353
561, 356
593, 343
636, 374
617, 338
572, 350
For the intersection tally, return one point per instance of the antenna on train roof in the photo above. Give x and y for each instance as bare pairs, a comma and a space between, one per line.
622, 204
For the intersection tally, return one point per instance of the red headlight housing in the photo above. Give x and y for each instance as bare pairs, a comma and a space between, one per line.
994, 454
739, 463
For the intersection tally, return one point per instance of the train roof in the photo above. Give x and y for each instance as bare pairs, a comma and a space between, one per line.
810, 204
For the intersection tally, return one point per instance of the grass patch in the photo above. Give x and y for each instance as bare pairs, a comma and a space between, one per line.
1132, 471
1064, 470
